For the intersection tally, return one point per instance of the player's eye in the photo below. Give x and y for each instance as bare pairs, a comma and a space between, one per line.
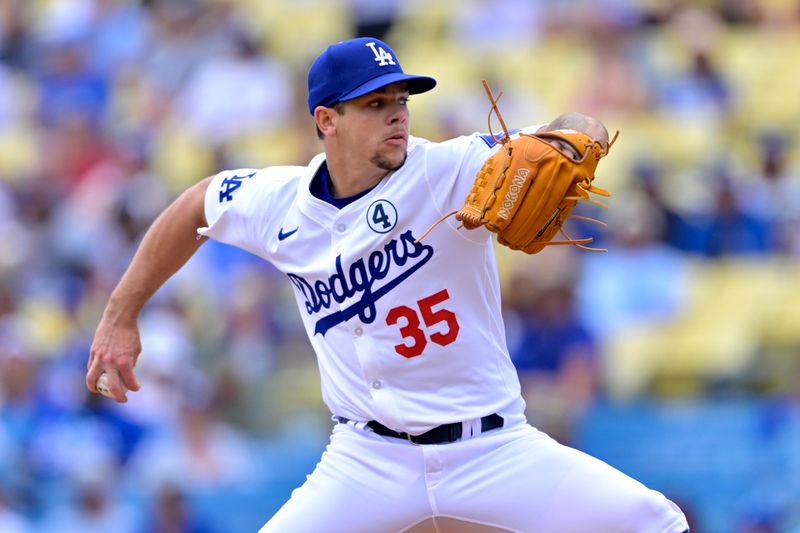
403, 100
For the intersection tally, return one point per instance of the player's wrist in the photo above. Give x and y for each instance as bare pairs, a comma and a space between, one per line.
121, 310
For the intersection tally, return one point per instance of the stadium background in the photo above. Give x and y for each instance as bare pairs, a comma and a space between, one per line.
673, 357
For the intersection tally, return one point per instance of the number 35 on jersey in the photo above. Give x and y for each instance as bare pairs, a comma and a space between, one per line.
440, 324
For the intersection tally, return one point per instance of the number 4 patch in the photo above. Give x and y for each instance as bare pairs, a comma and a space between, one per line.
382, 216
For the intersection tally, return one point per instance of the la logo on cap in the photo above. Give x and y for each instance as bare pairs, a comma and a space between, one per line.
344, 71
381, 56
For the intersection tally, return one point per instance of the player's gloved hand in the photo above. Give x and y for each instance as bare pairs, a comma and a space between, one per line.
114, 351
528, 188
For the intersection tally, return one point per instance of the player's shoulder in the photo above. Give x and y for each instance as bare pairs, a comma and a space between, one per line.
275, 176
462, 142
477, 139
449, 151
256, 181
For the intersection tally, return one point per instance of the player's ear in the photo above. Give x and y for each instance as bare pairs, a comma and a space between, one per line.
325, 119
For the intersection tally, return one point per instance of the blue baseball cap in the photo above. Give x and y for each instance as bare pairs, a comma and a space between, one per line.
353, 68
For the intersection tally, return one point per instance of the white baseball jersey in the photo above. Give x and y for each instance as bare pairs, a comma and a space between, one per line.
408, 334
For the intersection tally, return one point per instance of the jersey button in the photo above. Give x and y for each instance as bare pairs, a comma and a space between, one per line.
377, 384
340, 228
358, 332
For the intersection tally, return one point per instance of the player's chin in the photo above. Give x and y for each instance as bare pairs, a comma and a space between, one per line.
390, 160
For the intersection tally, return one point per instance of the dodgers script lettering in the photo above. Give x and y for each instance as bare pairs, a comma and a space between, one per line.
359, 278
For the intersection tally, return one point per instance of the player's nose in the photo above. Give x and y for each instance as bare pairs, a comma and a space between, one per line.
398, 114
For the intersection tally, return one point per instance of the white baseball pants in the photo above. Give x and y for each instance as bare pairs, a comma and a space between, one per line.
514, 479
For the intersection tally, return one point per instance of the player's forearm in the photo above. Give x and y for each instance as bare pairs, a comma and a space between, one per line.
166, 247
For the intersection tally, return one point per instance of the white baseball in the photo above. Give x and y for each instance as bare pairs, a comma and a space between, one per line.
103, 387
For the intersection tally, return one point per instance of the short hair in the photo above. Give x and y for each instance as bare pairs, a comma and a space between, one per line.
336, 106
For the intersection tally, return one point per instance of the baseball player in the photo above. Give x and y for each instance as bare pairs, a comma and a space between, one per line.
430, 432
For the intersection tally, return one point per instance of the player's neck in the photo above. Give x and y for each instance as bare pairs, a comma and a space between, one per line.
348, 179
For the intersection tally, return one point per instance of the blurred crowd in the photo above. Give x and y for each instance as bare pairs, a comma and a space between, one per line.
109, 108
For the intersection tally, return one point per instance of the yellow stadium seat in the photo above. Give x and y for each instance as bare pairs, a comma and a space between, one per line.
782, 326
760, 64
736, 306
267, 148
297, 31
180, 159
18, 152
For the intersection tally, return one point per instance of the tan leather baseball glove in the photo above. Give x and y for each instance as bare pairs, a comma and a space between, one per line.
527, 190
